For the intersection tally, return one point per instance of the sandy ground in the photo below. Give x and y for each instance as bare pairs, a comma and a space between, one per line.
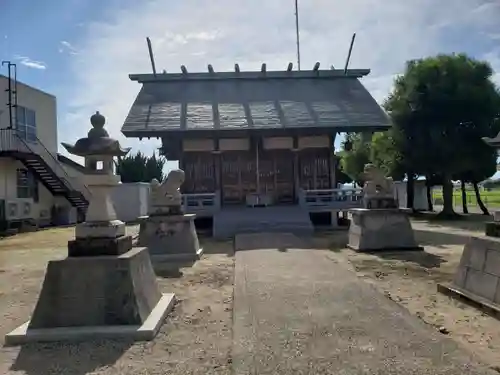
410, 279
196, 338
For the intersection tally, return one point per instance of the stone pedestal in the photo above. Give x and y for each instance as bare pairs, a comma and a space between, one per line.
105, 288
381, 229
97, 297
170, 237
478, 275
492, 229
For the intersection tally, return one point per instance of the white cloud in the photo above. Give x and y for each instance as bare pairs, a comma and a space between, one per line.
223, 32
34, 64
67, 47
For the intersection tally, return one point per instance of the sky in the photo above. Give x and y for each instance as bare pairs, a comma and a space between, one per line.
82, 51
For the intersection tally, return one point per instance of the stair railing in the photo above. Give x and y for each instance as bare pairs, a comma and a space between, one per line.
38, 148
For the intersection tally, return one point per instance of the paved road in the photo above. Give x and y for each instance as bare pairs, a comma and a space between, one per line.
299, 312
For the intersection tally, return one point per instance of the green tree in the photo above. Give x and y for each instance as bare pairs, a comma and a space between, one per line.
354, 155
140, 168
440, 106
479, 167
386, 155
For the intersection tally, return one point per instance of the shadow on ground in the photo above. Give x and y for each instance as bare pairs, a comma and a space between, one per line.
283, 242
422, 258
470, 222
212, 246
69, 358
439, 239
172, 269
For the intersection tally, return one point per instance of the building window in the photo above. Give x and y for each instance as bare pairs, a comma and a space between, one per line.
27, 185
26, 124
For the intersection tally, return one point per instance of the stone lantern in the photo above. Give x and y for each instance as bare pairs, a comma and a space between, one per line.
105, 287
101, 233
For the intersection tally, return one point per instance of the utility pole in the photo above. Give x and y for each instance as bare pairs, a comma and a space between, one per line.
297, 32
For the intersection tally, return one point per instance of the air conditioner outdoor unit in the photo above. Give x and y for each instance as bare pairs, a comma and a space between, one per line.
18, 209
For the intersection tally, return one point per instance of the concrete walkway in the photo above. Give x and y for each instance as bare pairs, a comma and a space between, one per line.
298, 312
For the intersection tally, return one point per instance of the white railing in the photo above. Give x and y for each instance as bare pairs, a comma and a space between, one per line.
331, 198
201, 203
10, 141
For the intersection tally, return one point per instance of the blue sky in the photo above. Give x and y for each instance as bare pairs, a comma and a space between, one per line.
83, 50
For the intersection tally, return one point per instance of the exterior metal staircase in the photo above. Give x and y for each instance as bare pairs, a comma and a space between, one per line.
45, 166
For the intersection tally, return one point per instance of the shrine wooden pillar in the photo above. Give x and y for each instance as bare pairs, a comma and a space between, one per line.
296, 175
332, 163
217, 170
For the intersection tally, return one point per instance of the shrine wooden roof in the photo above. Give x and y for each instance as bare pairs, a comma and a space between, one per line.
225, 102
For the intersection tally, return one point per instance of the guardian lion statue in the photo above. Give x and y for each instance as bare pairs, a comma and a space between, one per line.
378, 190
166, 198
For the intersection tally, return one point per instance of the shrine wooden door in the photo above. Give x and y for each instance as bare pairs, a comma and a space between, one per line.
314, 169
238, 176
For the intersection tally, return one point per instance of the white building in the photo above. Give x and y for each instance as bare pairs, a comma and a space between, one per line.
36, 184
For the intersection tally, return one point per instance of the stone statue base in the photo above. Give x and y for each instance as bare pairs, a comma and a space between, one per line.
379, 202
100, 229
97, 297
99, 238
381, 229
170, 237
477, 277
492, 229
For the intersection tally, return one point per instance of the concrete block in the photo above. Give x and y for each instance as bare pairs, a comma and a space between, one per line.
460, 276
170, 237
145, 332
481, 284
478, 275
111, 229
492, 229
477, 256
106, 296
492, 262
381, 229
91, 247
497, 295
466, 254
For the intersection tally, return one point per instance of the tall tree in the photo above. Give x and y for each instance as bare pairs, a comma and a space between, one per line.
140, 168
354, 155
439, 105
385, 154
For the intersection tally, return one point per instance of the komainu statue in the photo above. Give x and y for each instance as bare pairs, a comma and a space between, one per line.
378, 190
166, 198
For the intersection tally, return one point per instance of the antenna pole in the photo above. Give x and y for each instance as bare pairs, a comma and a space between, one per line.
297, 32
151, 56
349, 54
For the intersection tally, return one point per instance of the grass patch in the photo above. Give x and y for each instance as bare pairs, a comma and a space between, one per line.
490, 198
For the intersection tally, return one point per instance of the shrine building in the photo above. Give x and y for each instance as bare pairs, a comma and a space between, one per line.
255, 138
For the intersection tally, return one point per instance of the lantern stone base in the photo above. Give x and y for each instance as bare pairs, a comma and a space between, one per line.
100, 229
170, 237
381, 229
97, 297
91, 247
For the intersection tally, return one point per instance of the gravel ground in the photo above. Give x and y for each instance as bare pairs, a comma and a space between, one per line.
195, 339
410, 279
301, 312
